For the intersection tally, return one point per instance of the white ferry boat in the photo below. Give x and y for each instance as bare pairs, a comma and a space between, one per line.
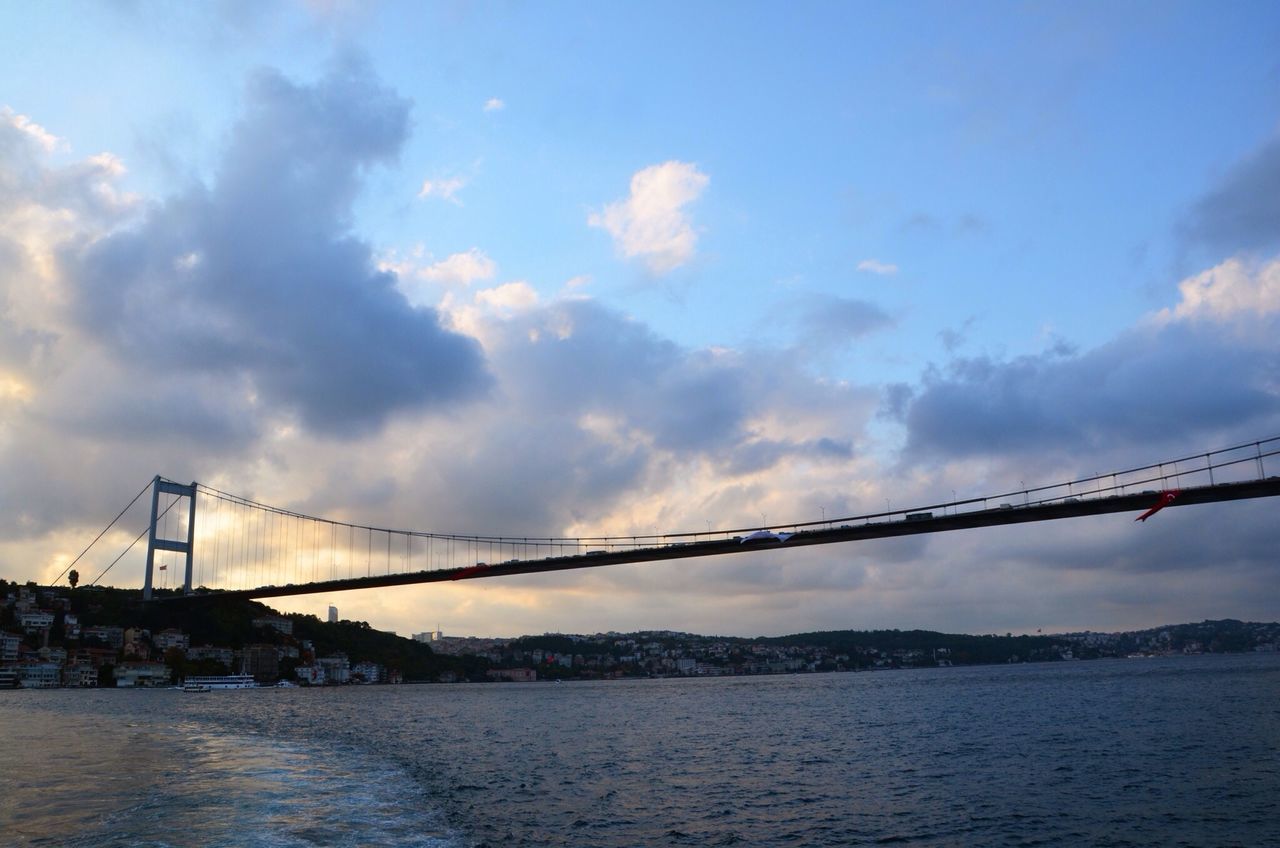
197, 683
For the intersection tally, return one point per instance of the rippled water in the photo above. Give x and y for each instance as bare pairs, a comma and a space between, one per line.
1182, 751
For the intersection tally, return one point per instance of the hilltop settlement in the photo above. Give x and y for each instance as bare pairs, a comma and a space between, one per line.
101, 637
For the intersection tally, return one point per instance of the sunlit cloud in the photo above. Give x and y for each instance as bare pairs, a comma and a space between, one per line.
651, 224
45, 139
1232, 289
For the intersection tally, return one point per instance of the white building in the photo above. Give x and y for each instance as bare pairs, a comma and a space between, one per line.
40, 675
337, 669
333, 614
370, 671
35, 621
312, 675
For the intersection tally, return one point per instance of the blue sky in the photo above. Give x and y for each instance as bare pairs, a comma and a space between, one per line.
960, 243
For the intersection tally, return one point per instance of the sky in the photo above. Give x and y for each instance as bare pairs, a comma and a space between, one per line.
585, 269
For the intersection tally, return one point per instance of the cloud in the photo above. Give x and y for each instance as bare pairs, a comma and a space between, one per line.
508, 298
42, 137
422, 284
1242, 213
832, 322
461, 268
1202, 373
446, 189
493, 104
1230, 292
874, 266
651, 224
258, 276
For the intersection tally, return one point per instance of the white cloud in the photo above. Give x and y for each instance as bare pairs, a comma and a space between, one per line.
508, 298
651, 223
461, 268
47, 140
1227, 291
875, 266
493, 104
420, 283
445, 189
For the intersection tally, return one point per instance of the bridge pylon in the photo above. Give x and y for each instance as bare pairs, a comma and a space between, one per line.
154, 543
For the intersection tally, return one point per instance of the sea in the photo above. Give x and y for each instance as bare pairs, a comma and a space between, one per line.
1178, 751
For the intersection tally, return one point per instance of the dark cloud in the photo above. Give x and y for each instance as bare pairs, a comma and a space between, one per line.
577, 357
685, 401
259, 276
1177, 384
1230, 537
1243, 212
833, 322
595, 411
762, 454
954, 338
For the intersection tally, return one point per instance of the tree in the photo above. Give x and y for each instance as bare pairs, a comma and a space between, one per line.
73, 578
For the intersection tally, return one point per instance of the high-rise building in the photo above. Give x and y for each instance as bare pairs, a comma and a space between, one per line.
333, 614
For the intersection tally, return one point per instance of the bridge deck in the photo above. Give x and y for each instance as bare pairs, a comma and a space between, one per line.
820, 535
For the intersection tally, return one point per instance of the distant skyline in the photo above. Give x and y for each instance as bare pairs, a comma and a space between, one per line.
583, 270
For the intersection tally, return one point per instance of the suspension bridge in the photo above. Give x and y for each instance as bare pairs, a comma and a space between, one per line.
228, 545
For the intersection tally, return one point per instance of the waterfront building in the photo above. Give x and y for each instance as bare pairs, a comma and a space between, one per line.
81, 675
262, 661
312, 675
514, 675
40, 675
142, 674
9, 643
370, 672
337, 668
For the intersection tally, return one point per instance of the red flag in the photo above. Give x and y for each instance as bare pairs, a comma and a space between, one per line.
1166, 498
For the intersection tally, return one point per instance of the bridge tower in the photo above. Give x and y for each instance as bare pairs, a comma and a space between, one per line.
154, 543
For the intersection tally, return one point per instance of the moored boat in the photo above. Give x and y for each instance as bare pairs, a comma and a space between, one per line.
219, 681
